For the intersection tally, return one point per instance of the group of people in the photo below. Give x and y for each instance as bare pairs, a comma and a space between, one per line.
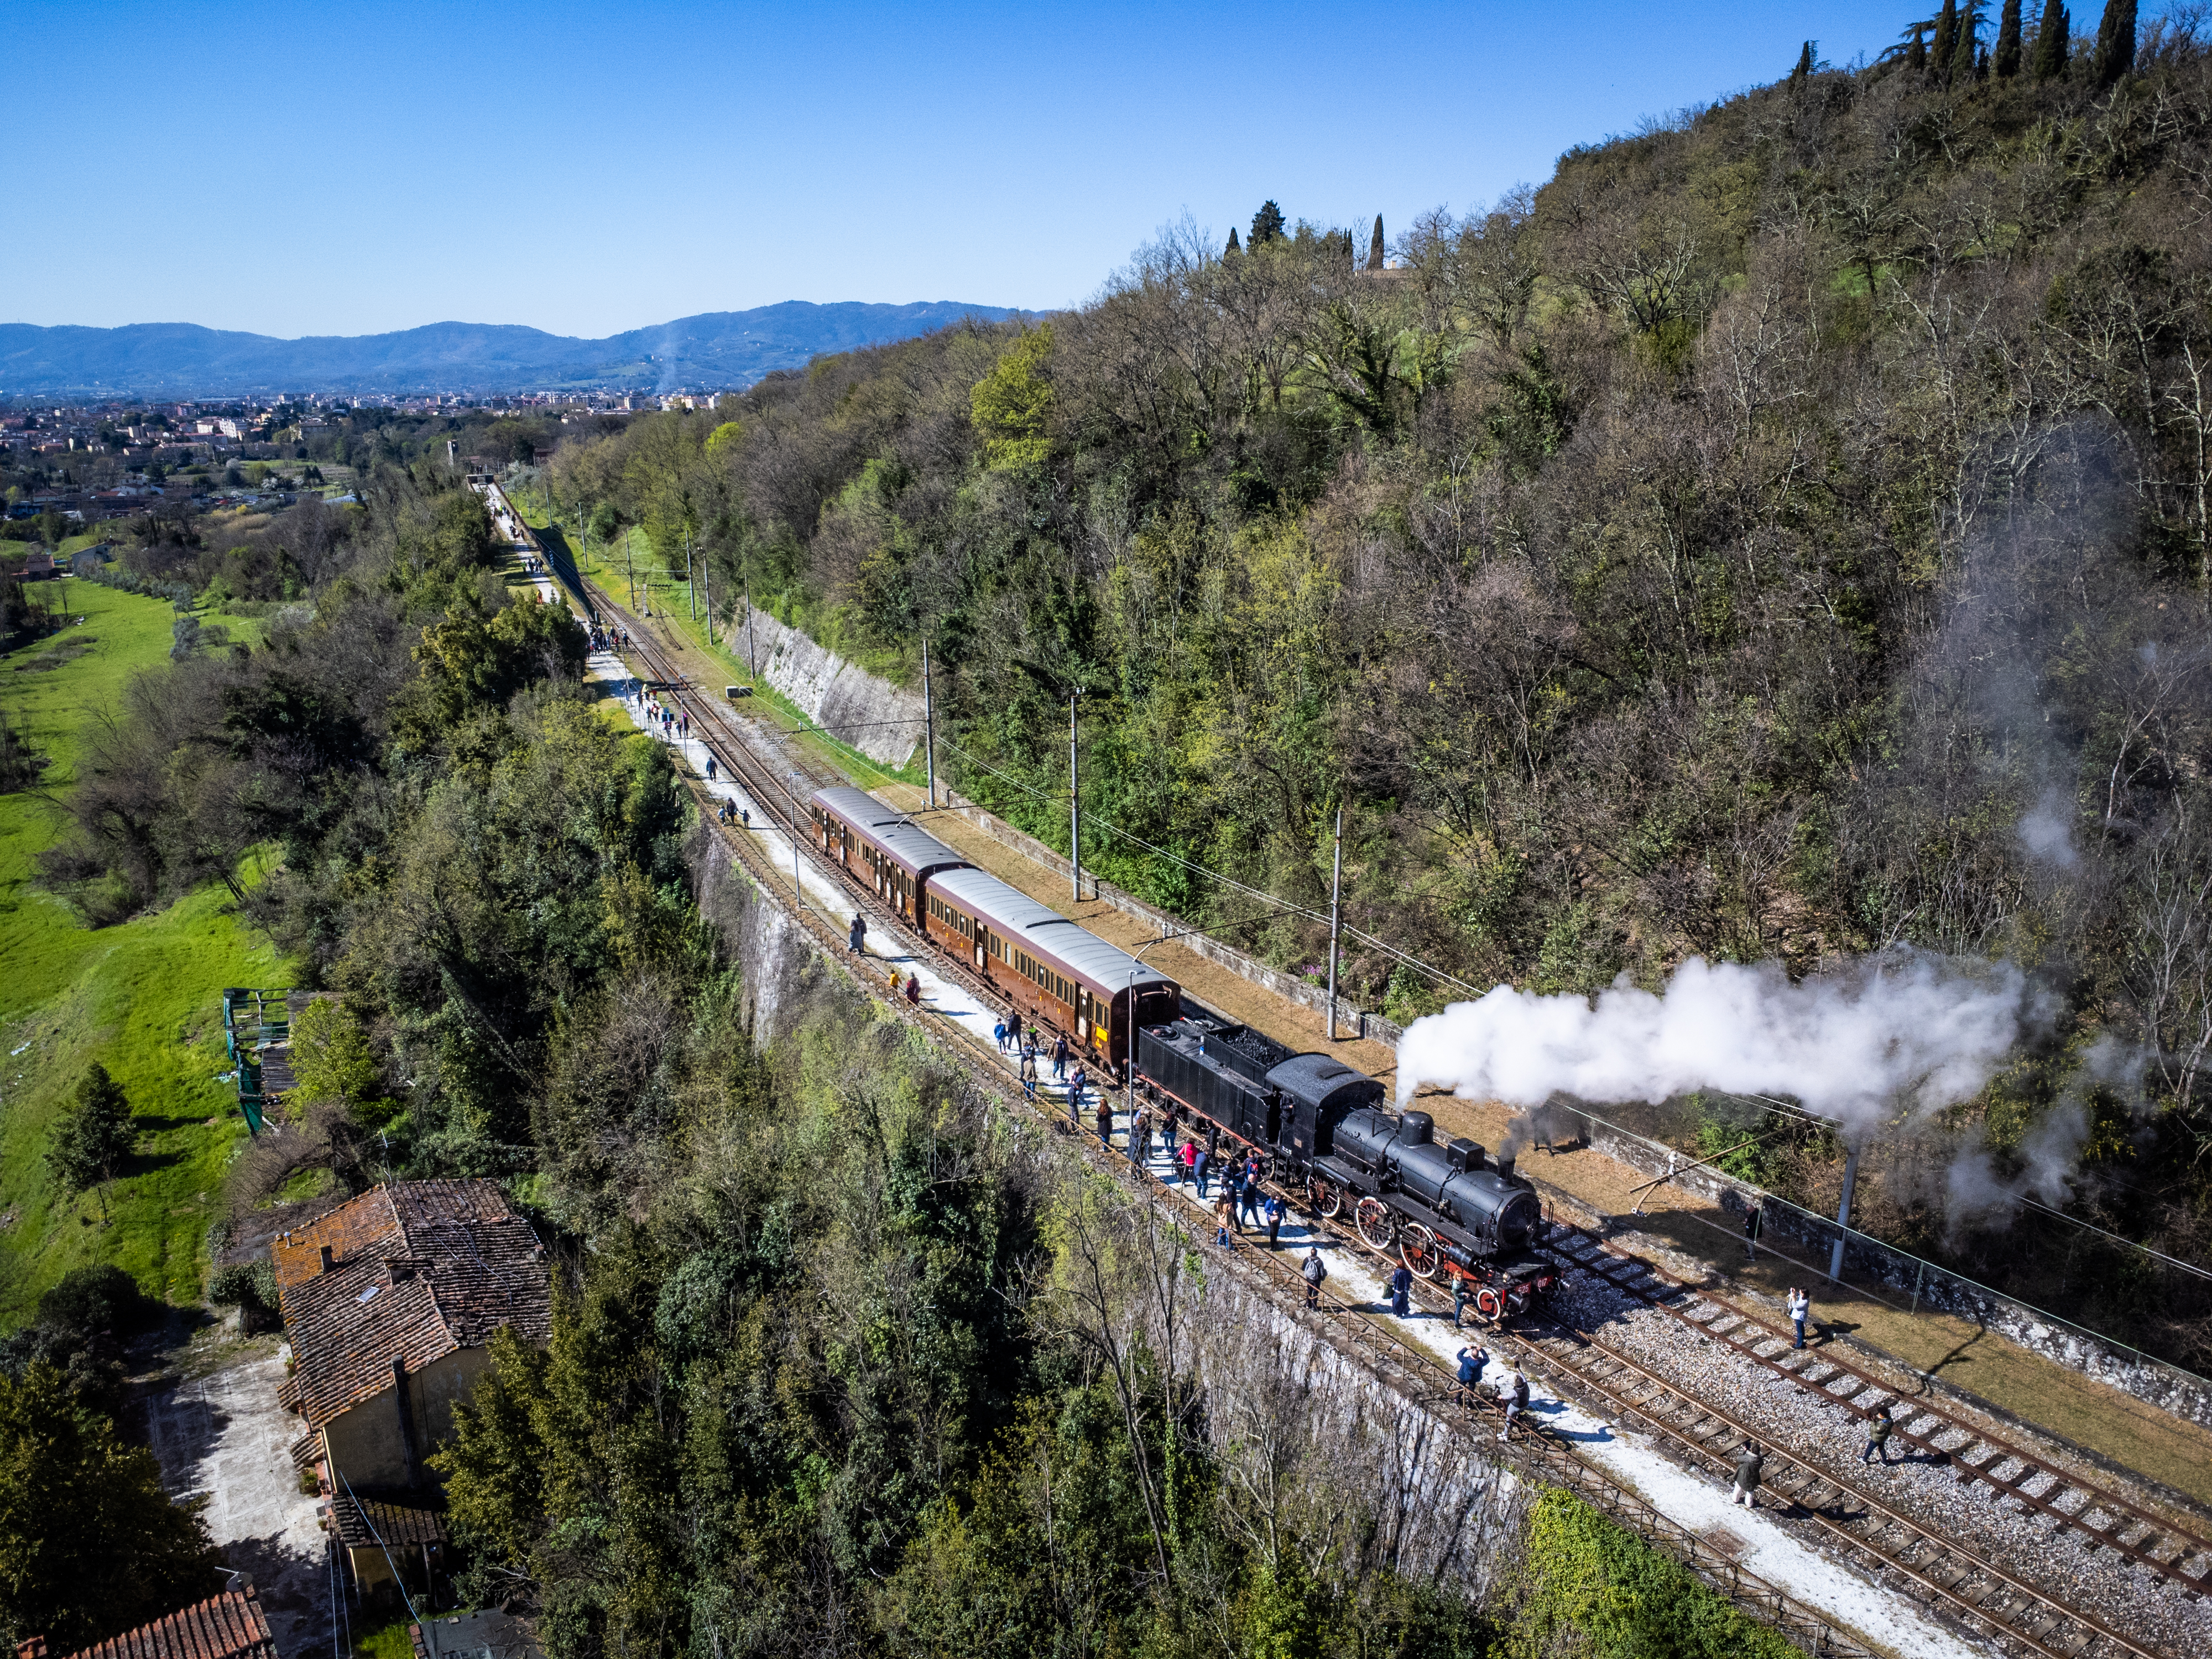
729, 812
609, 639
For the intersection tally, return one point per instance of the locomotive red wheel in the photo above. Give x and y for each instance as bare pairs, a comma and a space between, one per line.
1327, 1197
1417, 1249
1376, 1223
1488, 1303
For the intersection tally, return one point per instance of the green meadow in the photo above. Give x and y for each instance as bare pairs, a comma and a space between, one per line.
143, 998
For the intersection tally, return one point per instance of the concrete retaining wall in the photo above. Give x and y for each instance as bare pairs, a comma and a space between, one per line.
882, 720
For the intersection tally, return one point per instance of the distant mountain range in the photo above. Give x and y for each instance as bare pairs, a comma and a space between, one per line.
715, 350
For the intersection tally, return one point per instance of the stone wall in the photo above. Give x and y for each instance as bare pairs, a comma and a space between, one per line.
882, 720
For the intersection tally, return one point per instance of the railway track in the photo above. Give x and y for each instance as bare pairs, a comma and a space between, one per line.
1982, 1592
2101, 1517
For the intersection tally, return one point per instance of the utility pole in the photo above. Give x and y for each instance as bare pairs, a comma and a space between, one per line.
1844, 1212
629, 570
752, 638
1074, 803
928, 724
707, 587
1335, 916
690, 594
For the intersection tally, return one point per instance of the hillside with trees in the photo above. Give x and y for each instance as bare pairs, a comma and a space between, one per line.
1783, 535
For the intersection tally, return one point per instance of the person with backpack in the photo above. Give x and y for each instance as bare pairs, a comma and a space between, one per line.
1517, 1399
1750, 1464
1314, 1270
1878, 1431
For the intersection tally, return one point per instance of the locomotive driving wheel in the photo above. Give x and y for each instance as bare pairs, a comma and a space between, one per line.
1417, 1249
1488, 1303
1376, 1223
1328, 1198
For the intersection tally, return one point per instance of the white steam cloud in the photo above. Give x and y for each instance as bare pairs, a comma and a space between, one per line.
1905, 1030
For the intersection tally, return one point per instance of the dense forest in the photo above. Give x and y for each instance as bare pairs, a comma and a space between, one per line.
1783, 535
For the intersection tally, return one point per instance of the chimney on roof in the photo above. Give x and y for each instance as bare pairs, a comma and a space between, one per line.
327, 1258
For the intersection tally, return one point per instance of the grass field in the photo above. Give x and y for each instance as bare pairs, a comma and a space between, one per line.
143, 998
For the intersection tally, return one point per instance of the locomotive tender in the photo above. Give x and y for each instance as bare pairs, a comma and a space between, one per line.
1441, 1210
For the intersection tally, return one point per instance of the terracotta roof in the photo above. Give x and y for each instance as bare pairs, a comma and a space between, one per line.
368, 1519
418, 1269
226, 1626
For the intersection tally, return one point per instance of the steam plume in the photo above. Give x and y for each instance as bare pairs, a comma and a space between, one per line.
1905, 1030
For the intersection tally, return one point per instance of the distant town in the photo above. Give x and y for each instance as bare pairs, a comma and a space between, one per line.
85, 463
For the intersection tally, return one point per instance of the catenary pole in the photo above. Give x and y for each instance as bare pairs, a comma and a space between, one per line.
1335, 916
1074, 804
928, 725
1844, 1212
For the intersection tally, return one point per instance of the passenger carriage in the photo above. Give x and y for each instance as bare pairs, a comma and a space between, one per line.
880, 847
1051, 968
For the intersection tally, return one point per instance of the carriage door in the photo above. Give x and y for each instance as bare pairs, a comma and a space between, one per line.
982, 945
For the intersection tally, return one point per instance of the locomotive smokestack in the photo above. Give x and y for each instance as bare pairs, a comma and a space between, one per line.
1506, 1164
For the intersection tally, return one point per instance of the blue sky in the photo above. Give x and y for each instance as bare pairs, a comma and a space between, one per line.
318, 169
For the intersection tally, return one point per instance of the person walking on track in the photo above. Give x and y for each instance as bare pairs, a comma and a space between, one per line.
1878, 1431
1750, 1464
1314, 1270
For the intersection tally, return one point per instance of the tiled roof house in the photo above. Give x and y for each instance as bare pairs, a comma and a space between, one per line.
390, 1301
230, 1625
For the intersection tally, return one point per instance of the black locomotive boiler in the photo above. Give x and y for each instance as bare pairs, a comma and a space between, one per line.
1444, 1211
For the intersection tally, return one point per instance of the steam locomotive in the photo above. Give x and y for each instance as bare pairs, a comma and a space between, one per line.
1447, 1212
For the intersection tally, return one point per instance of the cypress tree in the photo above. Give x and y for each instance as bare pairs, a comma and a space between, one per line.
1947, 39
1916, 55
1232, 249
1961, 67
1266, 225
2116, 41
1375, 246
2054, 37
1804, 70
2005, 62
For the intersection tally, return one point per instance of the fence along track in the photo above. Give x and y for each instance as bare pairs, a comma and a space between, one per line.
2176, 1555
1984, 1593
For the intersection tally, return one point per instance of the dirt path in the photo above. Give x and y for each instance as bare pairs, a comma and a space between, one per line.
220, 1433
